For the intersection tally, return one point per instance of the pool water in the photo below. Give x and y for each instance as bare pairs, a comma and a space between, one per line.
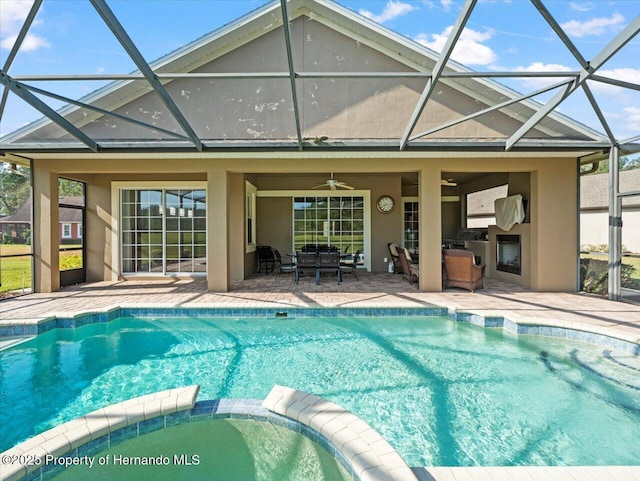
442, 393
224, 450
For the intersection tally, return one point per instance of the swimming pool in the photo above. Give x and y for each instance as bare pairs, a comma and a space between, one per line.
442, 393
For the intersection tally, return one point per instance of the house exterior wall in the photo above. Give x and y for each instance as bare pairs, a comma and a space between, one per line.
253, 108
275, 223
552, 204
594, 228
75, 234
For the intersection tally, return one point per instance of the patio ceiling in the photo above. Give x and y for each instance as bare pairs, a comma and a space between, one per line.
65, 130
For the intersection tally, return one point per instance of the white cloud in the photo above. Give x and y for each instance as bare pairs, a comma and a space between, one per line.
12, 16
625, 74
391, 10
469, 49
632, 116
581, 6
539, 82
446, 4
595, 26
30, 43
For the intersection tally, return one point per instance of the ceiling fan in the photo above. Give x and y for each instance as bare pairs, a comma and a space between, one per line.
443, 182
333, 184
448, 182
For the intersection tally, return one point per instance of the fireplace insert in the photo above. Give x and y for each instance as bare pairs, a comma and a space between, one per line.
509, 255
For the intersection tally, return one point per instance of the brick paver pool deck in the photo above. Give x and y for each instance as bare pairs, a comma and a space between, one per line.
569, 310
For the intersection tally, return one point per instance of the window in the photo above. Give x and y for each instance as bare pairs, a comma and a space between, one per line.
163, 231
66, 231
251, 192
410, 225
332, 220
79, 227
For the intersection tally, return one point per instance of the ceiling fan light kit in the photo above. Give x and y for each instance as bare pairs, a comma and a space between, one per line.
333, 184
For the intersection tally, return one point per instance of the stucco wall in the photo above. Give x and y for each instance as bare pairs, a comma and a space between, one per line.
594, 228
342, 108
552, 203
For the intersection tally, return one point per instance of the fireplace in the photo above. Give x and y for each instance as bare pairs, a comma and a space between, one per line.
509, 254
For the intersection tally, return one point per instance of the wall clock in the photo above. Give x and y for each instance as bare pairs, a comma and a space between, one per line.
385, 204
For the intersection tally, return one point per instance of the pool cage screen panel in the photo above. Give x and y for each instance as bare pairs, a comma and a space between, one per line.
163, 231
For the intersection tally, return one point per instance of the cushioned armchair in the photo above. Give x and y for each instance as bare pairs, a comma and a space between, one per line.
461, 269
394, 250
410, 270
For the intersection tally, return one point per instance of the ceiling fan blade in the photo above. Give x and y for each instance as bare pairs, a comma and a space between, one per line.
319, 186
448, 183
343, 185
333, 186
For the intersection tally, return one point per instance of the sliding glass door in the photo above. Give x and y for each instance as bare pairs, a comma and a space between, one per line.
163, 231
329, 220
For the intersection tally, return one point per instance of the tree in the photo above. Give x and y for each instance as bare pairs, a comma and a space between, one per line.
14, 188
627, 162
69, 187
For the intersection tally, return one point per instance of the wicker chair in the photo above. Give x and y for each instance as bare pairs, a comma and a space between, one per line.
410, 271
461, 270
394, 251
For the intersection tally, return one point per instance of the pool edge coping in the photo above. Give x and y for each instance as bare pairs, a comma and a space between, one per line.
588, 333
362, 451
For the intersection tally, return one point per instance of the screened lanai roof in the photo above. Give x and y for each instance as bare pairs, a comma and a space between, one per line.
325, 77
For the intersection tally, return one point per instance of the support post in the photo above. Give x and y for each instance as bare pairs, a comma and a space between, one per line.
217, 230
430, 230
46, 230
615, 226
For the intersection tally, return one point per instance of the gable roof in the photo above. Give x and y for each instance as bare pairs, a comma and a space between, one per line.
403, 67
23, 214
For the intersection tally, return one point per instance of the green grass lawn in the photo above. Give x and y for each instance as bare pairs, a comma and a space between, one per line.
16, 271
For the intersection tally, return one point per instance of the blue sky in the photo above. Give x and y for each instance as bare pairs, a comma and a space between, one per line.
68, 37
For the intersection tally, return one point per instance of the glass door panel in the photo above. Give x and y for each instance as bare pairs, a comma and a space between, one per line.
337, 221
163, 231
410, 230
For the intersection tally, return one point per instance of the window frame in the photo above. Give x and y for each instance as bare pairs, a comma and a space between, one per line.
66, 226
366, 194
251, 196
116, 205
